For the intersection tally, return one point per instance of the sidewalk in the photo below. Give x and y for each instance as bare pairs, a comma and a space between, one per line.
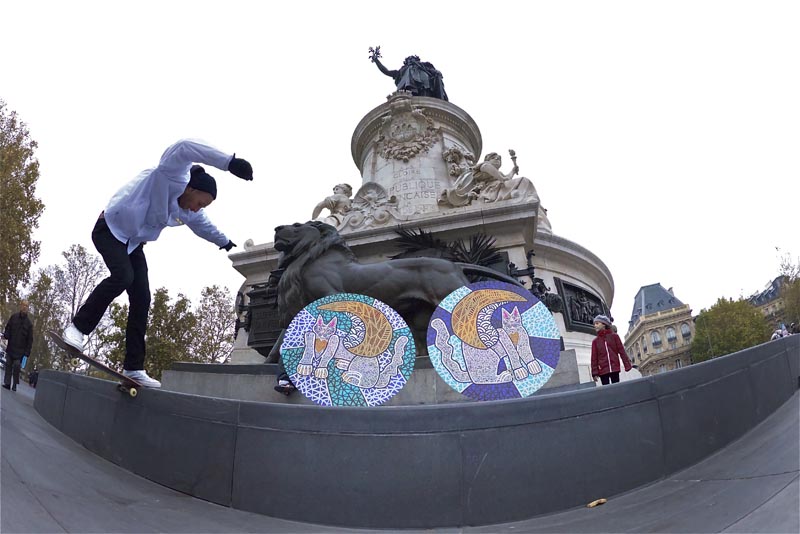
51, 484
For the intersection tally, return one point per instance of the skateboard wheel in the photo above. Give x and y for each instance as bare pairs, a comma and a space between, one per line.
132, 392
75, 362
596, 503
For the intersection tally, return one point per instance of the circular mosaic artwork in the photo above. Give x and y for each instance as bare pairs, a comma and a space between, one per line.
348, 350
493, 340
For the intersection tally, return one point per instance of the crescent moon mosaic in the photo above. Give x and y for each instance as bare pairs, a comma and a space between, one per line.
348, 350
493, 340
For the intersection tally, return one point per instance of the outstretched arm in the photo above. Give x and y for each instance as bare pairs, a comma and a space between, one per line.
391, 73
319, 207
203, 227
179, 157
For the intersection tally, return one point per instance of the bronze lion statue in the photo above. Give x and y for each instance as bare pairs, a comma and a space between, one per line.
317, 262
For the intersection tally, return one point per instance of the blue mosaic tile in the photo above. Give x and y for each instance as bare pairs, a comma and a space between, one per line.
335, 358
506, 343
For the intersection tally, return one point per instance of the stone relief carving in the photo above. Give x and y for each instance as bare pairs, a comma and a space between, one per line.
484, 182
406, 131
459, 160
580, 307
371, 206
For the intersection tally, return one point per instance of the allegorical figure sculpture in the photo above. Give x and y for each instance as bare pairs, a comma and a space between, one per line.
420, 78
484, 182
338, 204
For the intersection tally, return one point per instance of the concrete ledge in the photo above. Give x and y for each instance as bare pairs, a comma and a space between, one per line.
256, 382
427, 466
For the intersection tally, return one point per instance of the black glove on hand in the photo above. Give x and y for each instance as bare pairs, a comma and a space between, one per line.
241, 168
229, 245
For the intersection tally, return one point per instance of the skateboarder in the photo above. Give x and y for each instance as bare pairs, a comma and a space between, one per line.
172, 194
19, 333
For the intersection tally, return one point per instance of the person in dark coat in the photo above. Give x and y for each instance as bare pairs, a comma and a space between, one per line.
19, 333
607, 350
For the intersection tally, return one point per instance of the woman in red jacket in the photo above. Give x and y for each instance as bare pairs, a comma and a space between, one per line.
607, 350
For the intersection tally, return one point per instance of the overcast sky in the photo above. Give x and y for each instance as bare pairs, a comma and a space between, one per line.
662, 136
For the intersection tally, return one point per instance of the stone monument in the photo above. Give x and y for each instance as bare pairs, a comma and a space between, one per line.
420, 166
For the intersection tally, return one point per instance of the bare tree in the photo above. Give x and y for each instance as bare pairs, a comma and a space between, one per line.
76, 280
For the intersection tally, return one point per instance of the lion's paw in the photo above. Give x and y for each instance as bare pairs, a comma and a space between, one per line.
520, 373
321, 373
352, 378
304, 370
534, 367
342, 364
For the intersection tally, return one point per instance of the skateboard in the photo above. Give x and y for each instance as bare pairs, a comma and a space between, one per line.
127, 385
286, 390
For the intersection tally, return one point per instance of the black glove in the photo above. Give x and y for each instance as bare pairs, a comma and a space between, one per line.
228, 246
241, 168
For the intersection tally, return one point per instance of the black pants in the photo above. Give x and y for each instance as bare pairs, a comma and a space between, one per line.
13, 365
613, 377
128, 273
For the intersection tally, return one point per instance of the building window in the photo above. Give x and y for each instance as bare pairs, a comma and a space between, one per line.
678, 364
662, 368
655, 337
686, 332
671, 334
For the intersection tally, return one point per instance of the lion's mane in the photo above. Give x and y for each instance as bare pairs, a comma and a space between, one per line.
313, 241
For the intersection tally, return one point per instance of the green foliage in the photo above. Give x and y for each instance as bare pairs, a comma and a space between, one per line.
170, 332
45, 313
175, 331
790, 292
54, 296
19, 208
727, 327
215, 326
112, 339
791, 302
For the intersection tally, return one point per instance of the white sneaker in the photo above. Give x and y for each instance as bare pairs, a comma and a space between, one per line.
142, 378
74, 337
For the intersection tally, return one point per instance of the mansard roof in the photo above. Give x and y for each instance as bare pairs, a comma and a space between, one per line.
772, 292
653, 299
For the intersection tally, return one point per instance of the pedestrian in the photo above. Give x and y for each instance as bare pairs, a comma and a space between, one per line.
174, 193
607, 349
19, 333
33, 377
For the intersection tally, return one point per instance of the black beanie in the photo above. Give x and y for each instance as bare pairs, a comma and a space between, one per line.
202, 181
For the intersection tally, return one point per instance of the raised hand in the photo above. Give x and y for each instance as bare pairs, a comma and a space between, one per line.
374, 53
241, 168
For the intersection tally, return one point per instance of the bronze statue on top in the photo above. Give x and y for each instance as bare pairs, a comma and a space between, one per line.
420, 78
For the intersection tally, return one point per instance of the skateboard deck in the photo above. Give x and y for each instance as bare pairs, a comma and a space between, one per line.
128, 385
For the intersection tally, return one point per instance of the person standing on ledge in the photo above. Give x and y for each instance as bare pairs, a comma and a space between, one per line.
172, 194
607, 349
420, 78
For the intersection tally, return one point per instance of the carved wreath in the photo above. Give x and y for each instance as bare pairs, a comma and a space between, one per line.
407, 134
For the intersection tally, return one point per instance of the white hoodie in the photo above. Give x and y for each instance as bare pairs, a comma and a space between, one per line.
147, 204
